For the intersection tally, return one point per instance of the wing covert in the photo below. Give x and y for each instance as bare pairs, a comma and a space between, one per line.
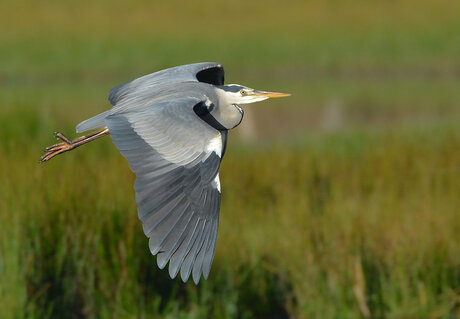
208, 72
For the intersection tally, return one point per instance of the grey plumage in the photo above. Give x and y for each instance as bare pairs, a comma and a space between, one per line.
172, 126
175, 172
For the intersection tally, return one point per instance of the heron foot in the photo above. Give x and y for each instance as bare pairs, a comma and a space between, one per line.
59, 148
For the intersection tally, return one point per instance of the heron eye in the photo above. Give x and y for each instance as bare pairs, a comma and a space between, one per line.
243, 92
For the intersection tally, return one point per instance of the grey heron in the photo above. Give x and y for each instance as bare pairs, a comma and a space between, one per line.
172, 128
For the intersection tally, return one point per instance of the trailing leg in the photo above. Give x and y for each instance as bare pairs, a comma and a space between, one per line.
68, 145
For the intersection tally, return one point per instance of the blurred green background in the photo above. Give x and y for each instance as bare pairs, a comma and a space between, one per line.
341, 201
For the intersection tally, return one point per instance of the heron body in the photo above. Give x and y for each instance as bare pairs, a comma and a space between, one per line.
172, 128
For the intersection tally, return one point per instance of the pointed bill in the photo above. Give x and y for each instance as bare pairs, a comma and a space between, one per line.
270, 94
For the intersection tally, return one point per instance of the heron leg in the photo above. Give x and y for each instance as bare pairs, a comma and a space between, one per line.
68, 145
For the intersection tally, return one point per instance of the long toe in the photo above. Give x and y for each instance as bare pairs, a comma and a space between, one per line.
54, 147
62, 137
54, 150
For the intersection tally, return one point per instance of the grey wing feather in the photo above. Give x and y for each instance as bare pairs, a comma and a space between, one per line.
175, 156
208, 72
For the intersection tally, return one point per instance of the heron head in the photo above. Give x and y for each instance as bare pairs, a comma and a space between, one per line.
239, 94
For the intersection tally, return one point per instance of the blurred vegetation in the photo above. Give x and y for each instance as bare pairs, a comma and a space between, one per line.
339, 202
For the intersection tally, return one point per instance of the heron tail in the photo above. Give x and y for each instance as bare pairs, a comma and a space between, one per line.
94, 123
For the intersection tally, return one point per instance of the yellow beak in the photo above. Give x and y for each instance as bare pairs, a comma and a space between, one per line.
270, 94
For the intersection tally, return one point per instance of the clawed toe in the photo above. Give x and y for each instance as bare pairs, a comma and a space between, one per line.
53, 147
55, 150
62, 137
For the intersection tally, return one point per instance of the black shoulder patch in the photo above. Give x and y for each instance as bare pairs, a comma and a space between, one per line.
214, 75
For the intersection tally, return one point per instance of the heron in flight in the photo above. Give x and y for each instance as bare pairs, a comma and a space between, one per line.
172, 128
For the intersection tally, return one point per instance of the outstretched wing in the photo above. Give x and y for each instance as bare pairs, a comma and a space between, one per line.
175, 156
207, 72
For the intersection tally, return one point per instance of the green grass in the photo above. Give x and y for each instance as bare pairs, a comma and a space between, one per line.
343, 203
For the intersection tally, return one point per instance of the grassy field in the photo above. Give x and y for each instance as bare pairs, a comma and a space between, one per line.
339, 202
